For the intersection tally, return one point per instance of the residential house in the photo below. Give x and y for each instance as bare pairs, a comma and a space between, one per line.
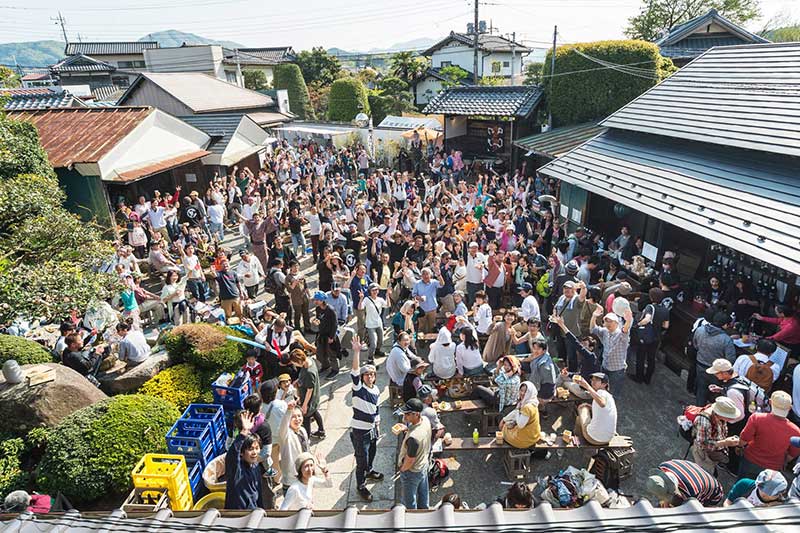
542, 148
690, 39
102, 155
39, 98
703, 168
432, 82
80, 70
484, 121
32, 80
236, 139
126, 56
194, 94
263, 59
497, 56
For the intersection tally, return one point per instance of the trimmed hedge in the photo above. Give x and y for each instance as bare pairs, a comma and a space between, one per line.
205, 346
12, 476
91, 453
598, 92
289, 77
180, 385
347, 99
23, 351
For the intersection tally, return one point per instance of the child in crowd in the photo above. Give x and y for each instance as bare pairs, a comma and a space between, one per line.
286, 390
483, 313
254, 369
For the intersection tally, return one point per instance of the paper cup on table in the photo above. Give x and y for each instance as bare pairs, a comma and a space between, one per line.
498, 437
458, 404
448, 439
567, 436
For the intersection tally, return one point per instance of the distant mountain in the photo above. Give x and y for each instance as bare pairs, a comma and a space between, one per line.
170, 38
338, 52
31, 54
414, 44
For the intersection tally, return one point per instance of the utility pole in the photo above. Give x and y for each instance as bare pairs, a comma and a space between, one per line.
239, 75
552, 72
513, 49
62, 22
475, 47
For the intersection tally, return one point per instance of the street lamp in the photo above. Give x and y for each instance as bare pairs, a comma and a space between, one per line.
363, 120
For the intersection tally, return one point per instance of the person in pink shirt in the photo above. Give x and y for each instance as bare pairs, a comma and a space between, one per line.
788, 326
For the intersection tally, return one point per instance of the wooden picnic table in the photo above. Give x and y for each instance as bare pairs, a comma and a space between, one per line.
466, 444
466, 406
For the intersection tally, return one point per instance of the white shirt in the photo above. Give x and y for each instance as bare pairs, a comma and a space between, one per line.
466, 358
248, 210
301, 496
604, 419
372, 312
530, 308
216, 213
250, 271
796, 394
156, 217
443, 359
475, 274
397, 365
193, 267
314, 223
483, 318
134, 347
743, 364
501, 278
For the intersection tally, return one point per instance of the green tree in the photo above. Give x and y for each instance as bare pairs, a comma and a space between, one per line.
453, 75
289, 77
407, 66
787, 34
533, 74
348, 97
392, 97
317, 65
319, 98
657, 16
8, 78
49, 258
582, 90
255, 80
491, 81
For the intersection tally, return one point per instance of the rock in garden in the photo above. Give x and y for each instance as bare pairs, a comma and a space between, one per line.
23, 407
117, 380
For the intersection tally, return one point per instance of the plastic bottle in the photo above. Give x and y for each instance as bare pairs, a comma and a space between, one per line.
475, 436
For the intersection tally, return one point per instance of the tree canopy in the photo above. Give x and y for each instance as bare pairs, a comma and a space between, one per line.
8, 78
407, 66
288, 76
392, 97
50, 258
657, 16
255, 80
318, 66
453, 75
348, 97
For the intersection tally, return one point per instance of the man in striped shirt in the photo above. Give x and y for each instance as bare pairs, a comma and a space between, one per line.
366, 421
676, 481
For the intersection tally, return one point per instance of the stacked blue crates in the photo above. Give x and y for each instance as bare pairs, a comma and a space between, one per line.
231, 399
210, 414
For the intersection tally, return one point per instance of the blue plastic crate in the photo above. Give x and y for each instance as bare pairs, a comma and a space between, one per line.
191, 442
195, 478
198, 425
211, 412
231, 398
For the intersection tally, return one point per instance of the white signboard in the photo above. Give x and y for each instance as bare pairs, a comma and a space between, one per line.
649, 252
564, 211
577, 215
191, 178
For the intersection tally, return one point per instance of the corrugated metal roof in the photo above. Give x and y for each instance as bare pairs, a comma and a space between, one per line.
107, 93
202, 93
48, 99
159, 166
220, 127
687, 28
741, 517
744, 96
517, 101
82, 63
82, 135
109, 48
749, 201
486, 41
559, 141
408, 123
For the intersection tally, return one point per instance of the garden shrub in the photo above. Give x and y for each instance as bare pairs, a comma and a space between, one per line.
91, 453
12, 476
592, 92
205, 346
180, 385
23, 351
288, 76
348, 98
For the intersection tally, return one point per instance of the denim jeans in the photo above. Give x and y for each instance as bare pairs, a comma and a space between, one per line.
298, 241
414, 489
218, 230
365, 447
615, 380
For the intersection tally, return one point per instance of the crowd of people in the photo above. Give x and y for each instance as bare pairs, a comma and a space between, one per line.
475, 281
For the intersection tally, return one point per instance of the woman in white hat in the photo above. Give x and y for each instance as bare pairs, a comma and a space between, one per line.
711, 441
301, 493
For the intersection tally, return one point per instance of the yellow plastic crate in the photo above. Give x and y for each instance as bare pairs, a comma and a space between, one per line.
183, 502
162, 471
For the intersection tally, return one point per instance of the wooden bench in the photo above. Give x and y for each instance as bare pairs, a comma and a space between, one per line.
466, 406
517, 461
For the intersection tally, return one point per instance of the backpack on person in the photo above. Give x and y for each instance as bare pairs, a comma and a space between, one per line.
543, 286
760, 373
686, 421
271, 284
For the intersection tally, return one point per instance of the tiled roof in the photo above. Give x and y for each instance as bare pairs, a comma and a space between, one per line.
267, 118
687, 28
747, 200
107, 93
742, 96
26, 92
109, 48
516, 101
202, 93
159, 166
262, 56
28, 100
694, 46
486, 41
559, 141
82, 135
82, 63
689, 517
220, 127
36, 76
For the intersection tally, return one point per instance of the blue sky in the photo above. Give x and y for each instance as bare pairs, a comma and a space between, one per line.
347, 24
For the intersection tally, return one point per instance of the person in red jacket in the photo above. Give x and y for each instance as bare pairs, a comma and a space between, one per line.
788, 326
766, 437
